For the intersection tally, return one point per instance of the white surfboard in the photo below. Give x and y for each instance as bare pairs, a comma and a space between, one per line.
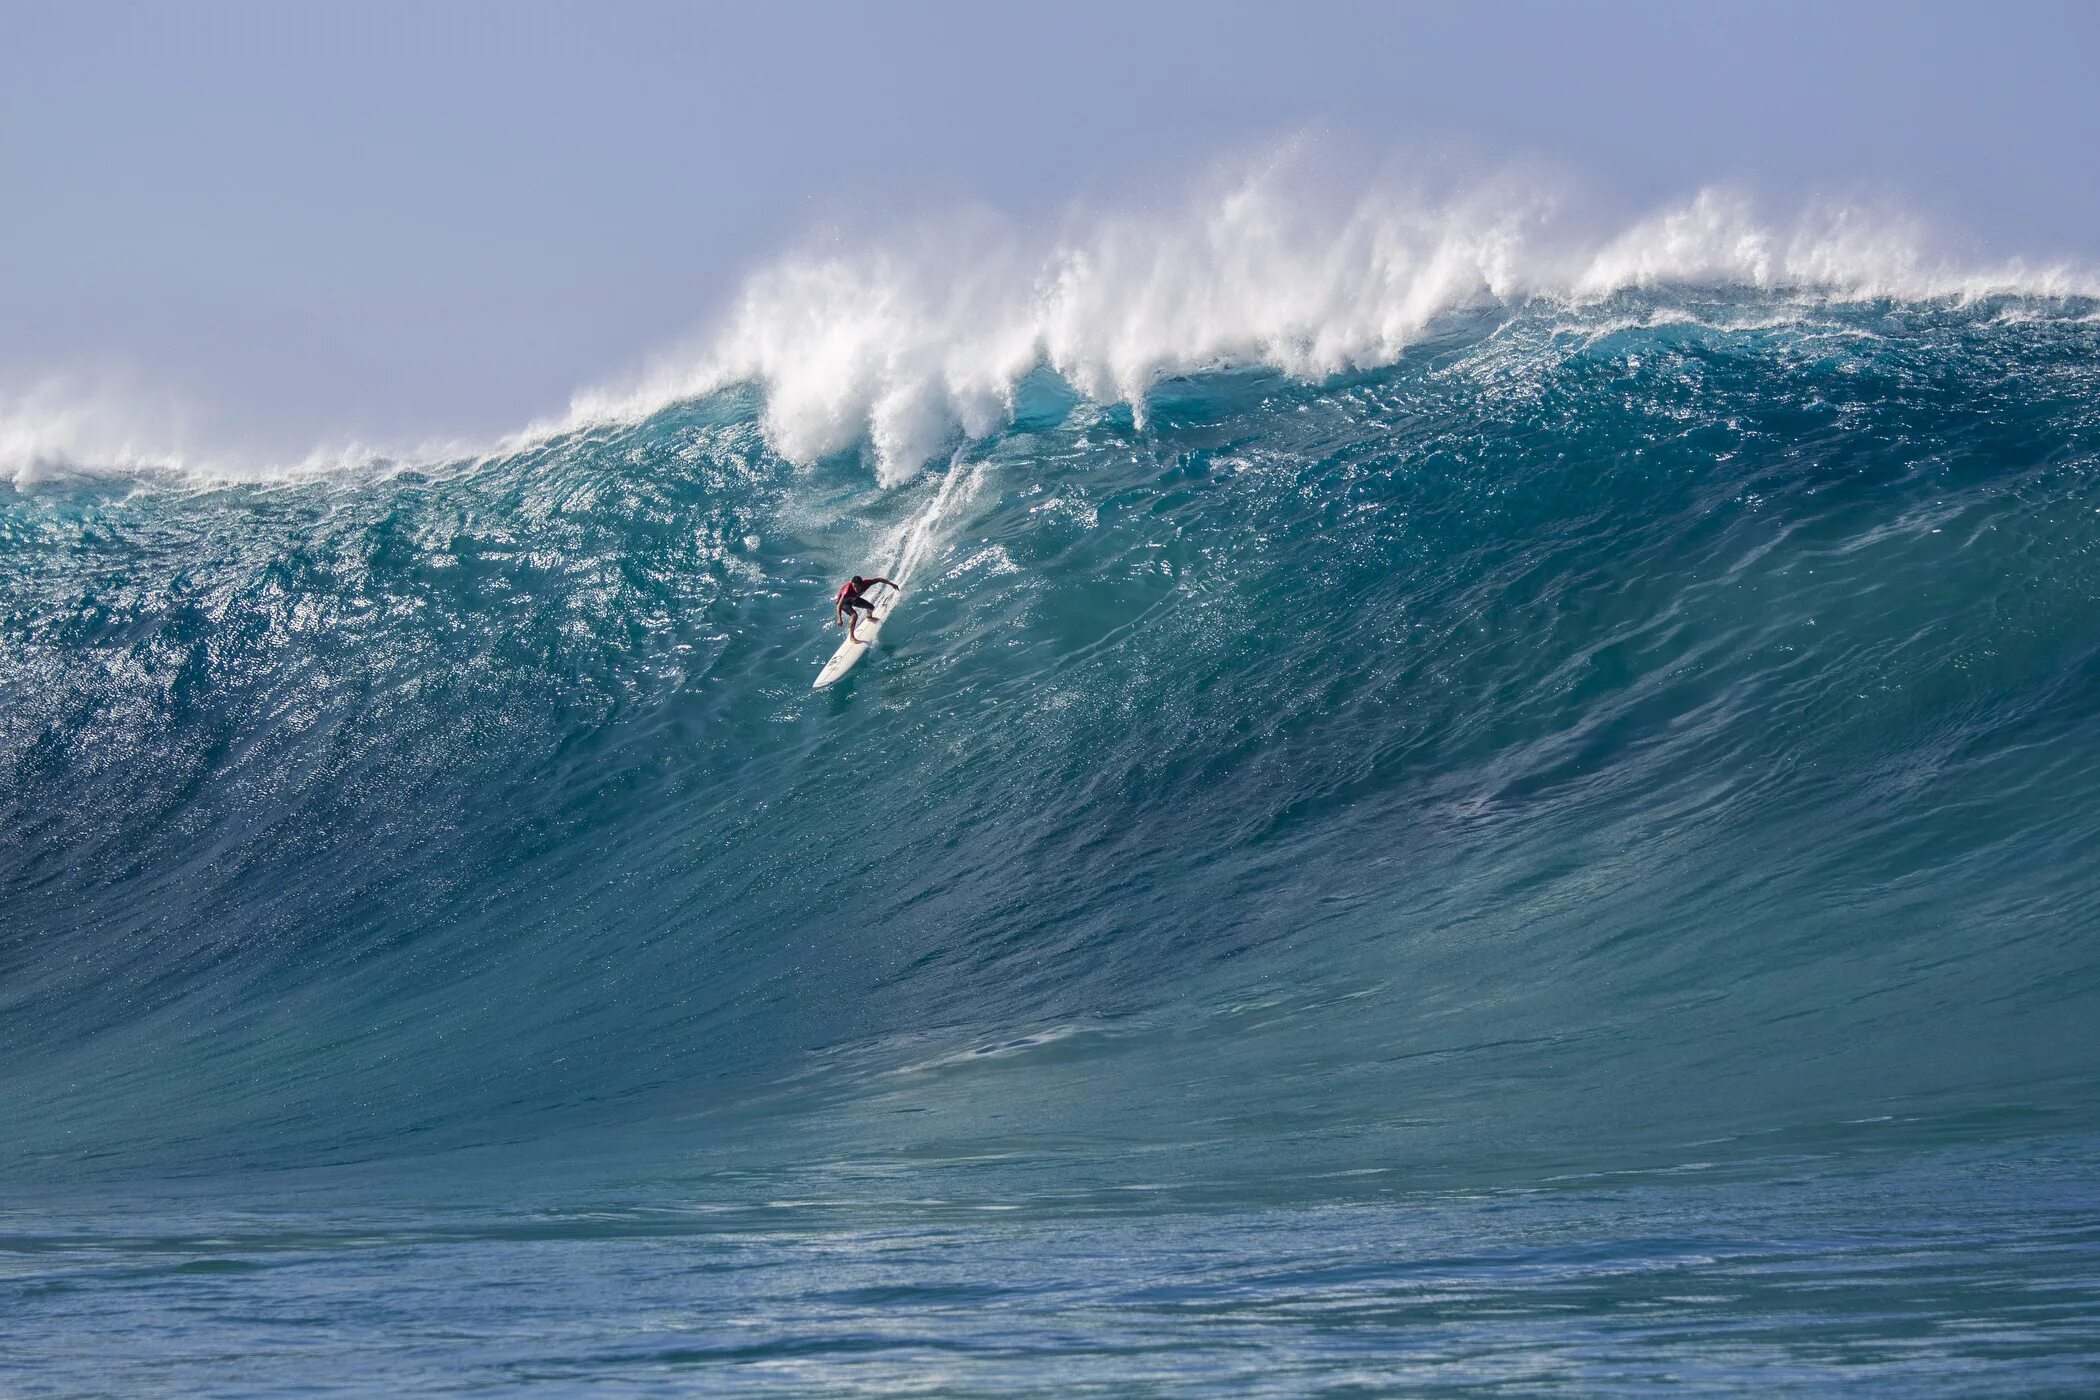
850, 652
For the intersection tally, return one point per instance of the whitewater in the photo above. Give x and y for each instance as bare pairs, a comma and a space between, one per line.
1467, 801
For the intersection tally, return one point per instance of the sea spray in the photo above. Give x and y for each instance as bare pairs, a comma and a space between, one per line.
908, 341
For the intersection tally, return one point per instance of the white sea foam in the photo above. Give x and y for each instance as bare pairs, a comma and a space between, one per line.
54, 428
907, 345
64, 428
910, 342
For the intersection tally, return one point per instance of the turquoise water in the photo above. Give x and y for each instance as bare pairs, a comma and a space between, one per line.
1564, 865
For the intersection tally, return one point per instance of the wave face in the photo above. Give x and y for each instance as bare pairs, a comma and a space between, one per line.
1628, 737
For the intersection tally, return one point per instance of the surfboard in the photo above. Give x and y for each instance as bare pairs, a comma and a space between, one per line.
850, 652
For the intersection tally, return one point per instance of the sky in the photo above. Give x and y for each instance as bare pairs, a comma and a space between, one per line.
393, 221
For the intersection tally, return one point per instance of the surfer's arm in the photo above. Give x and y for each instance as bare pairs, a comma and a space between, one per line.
884, 580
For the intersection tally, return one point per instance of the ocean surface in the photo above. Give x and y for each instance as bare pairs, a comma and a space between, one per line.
1560, 860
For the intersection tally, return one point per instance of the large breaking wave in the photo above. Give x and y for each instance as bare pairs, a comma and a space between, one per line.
1512, 728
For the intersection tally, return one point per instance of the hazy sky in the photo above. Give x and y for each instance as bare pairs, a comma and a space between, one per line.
398, 219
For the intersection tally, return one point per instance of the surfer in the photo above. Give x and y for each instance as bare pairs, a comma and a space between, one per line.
851, 597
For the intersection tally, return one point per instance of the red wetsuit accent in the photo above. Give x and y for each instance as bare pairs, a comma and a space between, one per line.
852, 601
851, 597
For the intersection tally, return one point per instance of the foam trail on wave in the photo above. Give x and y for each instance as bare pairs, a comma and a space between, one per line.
915, 542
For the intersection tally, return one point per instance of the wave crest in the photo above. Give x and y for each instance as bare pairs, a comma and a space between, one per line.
908, 342
905, 346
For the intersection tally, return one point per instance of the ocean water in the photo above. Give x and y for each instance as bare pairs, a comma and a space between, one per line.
1559, 860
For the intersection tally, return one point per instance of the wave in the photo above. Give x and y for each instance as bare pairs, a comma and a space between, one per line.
911, 342
1663, 722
